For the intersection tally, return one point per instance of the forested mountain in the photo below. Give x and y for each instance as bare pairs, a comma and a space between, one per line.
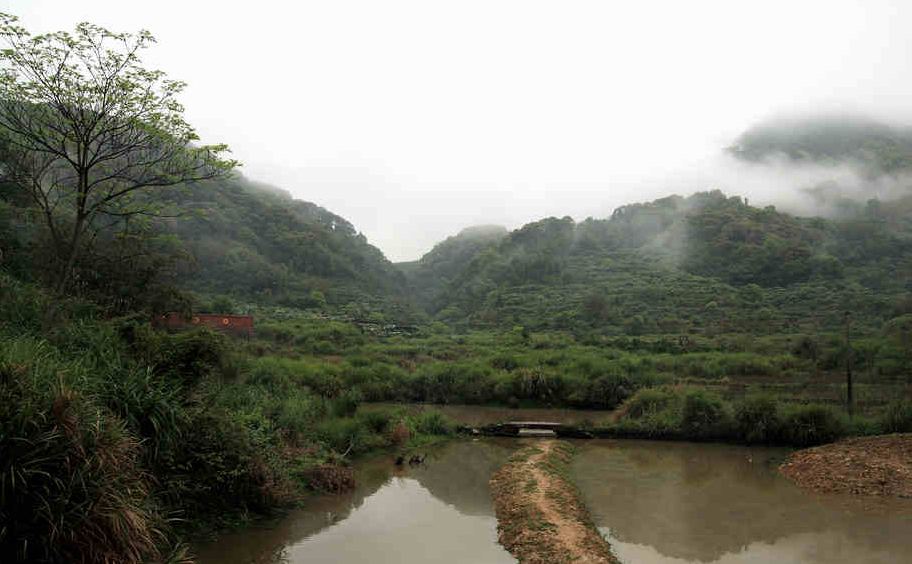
687, 264
234, 237
707, 261
833, 139
256, 241
429, 275
675, 264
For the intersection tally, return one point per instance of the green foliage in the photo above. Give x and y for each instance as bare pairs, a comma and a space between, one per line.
757, 420
704, 415
222, 304
223, 465
813, 425
86, 131
190, 356
897, 418
649, 401
343, 434
71, 488
154, 410
432, 422
346, 404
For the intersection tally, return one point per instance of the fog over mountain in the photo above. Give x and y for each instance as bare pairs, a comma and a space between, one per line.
414, 120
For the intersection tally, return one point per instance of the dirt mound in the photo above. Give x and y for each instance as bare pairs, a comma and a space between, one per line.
874, 466
540, 518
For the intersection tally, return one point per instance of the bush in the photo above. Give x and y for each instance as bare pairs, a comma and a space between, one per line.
189, 357
649, 401
378, 420
432, 422
222, 466
757, 420
897, 418
704, 416
343, 435
606, 392
347, 403
813, 425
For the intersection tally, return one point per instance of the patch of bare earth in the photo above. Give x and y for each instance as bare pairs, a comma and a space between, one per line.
540, 518
873, 466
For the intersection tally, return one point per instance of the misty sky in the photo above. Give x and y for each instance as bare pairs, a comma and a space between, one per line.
414, 119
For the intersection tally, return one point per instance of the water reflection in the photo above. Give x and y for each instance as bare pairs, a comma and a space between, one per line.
440, 511
658, 502
677, 502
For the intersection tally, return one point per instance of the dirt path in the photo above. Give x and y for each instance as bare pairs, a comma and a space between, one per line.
873, 466
540, 518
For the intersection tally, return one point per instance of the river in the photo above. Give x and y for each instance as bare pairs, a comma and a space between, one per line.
657, 502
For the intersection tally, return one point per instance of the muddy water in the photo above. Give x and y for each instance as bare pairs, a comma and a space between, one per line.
657, 502
664, 503
439, 511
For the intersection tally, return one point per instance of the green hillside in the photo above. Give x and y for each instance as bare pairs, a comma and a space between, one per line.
248, 241
706, 263
257, 242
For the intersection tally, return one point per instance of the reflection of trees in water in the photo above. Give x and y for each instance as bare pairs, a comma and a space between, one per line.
267, 544
456, 472
698, 501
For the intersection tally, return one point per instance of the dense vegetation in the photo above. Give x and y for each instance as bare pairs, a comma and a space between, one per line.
115, 429
707, 264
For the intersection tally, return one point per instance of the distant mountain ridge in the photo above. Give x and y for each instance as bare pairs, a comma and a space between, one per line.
685, 263
830, 139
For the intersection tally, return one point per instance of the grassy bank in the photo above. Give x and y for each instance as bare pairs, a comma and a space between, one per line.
697, 414
116, 441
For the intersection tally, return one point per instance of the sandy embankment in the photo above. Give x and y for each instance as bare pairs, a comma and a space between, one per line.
540, 518
873, 466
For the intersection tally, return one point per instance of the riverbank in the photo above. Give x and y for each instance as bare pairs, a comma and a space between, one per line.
871, 466
540, 516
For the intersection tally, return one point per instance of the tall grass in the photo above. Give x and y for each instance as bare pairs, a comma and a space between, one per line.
71, 486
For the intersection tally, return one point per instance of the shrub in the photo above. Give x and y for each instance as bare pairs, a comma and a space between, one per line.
897, 418
347, 403
222, 466
757, 420
400, 434
606, 392
343, 435
704, 415
377, 420
188, 357
811, 425
648, 401
432, 422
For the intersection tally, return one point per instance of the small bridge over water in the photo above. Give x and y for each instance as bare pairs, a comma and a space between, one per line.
530, 428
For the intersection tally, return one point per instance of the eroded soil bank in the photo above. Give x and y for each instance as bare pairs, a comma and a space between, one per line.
540, 518
874, 466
